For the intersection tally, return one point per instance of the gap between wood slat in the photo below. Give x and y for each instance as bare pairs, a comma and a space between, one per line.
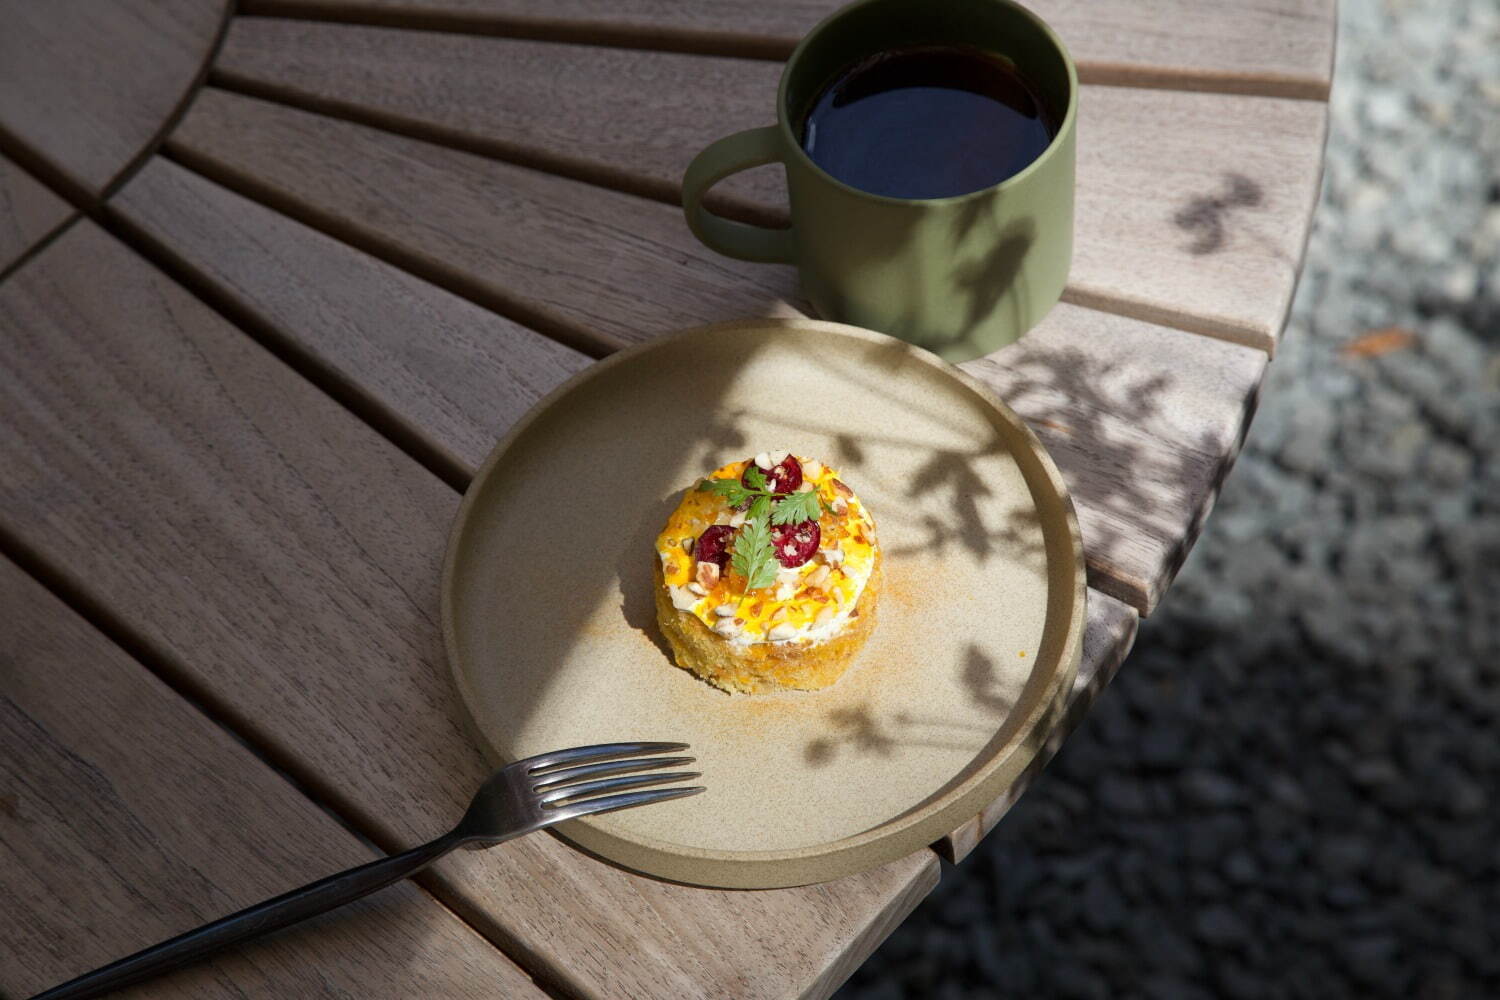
591, 342
347, 392
13, 148
40, 245
743, 46
180, 109
579, 168
79, 196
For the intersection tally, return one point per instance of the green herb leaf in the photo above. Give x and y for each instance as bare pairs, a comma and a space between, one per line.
731, 490
796, 508
759, 509
753, 557
755, 477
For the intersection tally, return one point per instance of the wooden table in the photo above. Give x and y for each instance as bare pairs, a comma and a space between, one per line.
270, 286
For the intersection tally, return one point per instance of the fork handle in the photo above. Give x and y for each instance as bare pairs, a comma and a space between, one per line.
254, 921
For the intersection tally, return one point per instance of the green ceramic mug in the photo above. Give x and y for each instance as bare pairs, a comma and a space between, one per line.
960, 276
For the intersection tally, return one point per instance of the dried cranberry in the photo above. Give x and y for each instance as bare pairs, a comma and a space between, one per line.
795, 543
713, 545
784, 477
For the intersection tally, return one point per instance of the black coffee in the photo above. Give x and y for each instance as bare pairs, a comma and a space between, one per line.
926, 121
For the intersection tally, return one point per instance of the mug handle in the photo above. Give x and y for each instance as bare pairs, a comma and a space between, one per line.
729, 155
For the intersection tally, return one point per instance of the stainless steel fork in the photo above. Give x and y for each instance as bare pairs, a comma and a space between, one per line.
517, 799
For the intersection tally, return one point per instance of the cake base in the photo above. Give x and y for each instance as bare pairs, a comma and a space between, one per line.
763, 667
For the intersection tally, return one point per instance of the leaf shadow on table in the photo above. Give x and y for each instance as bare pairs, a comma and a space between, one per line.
1105, 426
1207, 217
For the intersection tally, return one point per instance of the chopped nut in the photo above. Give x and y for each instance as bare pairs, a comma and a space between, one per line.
841, 489
725, 610
737, 519
687, 545
824, 617
812, 468
839, 505
832, 556
777, 457
818, 577
723, 518
694, 588
806, 487
786, 592
708, 575
764, 461
781, 632
726, 626
778, 615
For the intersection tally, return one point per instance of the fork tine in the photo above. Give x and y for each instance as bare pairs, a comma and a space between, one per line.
566, 796
599, 751
626, 801
562, 776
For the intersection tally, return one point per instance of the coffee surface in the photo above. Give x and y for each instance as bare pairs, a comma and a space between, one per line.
926, 121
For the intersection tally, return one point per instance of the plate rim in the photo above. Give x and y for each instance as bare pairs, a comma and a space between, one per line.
824, 862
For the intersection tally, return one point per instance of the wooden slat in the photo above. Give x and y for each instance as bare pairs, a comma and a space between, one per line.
1107, 639
451, 374
236, 245
572, 260
126, 817
1150, 431
1283, 48
1144, 422
29, 212
85, 86
282, 559
1192, 208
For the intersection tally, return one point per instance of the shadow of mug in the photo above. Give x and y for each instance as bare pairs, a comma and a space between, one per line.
961, 276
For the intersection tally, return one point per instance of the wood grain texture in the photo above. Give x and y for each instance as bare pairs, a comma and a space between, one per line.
1144, 422
1107, 638
1282, 47
29, 212
126, 817
574, 261
451, 374
86, 86
281, 559
1192, 208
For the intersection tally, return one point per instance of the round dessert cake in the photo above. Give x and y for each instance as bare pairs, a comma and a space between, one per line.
767, 574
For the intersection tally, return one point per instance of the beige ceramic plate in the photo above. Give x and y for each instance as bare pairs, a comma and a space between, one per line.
548, 616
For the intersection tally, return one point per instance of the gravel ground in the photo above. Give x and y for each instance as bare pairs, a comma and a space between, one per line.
1290, 789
